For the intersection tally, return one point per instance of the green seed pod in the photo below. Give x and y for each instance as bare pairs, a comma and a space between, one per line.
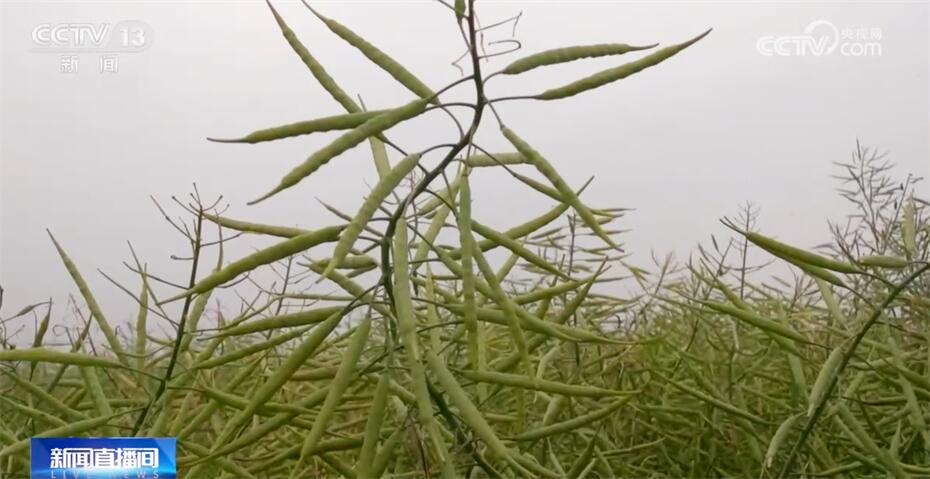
553, 409
544, 189
378, 194
246, 227
340, 467
541, 294
388, 64
881, 261
284, 249
819, 273
570, 424
379, 156
779, 438
825, 379
95, 390
545, 360
336, 389
835, 312
366, 456
538, 384
318, 125
582, 462
43, 328
342, 144
536, 325
436, 224
617, 73
359, 261
908, 230
407, 330
386, 454
42, 355
755, 320
569, 54
315, 67
92, 304
121, 402
567, 194
497, 159
141, 328
790, 253
196, 312
476, 356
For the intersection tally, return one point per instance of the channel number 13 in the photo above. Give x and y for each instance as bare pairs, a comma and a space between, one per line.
133, 36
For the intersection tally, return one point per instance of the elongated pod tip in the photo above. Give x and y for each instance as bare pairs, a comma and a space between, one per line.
61, 251
697, 38
274, 12
264, 197
313, 11
674, 49
569, 54
227, 140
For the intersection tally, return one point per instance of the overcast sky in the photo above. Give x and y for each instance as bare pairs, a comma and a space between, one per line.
683, 143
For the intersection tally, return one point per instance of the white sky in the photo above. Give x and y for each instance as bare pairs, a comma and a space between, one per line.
684, 143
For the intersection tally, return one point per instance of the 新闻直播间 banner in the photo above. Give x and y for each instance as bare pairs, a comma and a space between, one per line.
103, 458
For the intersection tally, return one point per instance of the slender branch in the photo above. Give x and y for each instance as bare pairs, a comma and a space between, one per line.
162, 386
